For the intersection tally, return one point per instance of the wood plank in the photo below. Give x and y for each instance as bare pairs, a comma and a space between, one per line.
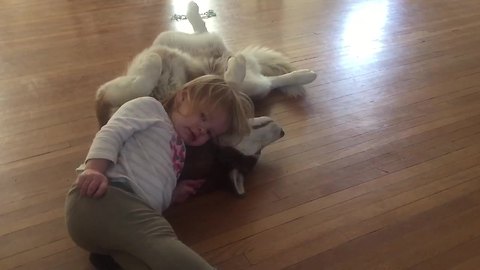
379, 168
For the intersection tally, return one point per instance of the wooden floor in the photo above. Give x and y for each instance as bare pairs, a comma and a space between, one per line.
379, 168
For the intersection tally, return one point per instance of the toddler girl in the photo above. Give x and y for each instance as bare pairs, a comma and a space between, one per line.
115, 206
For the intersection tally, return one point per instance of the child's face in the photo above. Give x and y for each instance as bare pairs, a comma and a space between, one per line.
197, 126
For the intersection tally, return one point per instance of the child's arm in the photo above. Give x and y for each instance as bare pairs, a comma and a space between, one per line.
99, 165
135, 115
185, 189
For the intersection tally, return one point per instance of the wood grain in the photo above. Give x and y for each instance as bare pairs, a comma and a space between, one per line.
379, 168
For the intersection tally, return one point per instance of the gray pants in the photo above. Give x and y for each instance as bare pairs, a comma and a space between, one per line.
122, 225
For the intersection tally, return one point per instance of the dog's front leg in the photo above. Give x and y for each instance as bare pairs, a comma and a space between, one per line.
142, 77
236, 70
195, 19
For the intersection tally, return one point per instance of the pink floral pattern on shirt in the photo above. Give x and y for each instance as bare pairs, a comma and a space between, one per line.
178, 154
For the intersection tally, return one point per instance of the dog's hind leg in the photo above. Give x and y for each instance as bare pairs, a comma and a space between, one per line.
140, 80
297, 77
195, 19
290, 83
274, 70
244, 73
258, 86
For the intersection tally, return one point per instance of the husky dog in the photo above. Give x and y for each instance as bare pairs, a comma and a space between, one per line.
175, 58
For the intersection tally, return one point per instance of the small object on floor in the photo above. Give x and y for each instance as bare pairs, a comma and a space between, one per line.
208, 14
205, 15
103, 262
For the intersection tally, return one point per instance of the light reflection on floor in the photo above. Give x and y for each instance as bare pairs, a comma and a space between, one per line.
363, 31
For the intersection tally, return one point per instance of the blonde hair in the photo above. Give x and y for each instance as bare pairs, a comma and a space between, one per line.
211, 92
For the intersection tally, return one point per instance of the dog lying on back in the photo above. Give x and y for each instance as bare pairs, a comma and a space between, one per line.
176, 58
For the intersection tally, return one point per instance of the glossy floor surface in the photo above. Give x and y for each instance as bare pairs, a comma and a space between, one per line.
379, 168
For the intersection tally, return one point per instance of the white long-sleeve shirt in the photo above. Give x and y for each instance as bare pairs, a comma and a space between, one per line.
144, 148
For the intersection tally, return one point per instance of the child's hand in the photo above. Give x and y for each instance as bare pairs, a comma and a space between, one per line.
92, 183
185, 189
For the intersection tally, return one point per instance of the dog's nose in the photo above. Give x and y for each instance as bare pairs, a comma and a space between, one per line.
282, 133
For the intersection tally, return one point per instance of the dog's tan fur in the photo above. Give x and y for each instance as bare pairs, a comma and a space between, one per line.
176, 58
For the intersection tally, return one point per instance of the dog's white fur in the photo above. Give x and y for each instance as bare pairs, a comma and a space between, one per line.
176, 58
264, 132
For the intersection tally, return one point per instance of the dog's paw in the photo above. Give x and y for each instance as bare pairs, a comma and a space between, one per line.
153, 62
304, 76
195, 19
147, 64
236, 69
293, 91
193, 9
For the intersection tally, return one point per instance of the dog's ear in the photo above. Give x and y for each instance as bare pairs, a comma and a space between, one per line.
237, 179
236, 70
